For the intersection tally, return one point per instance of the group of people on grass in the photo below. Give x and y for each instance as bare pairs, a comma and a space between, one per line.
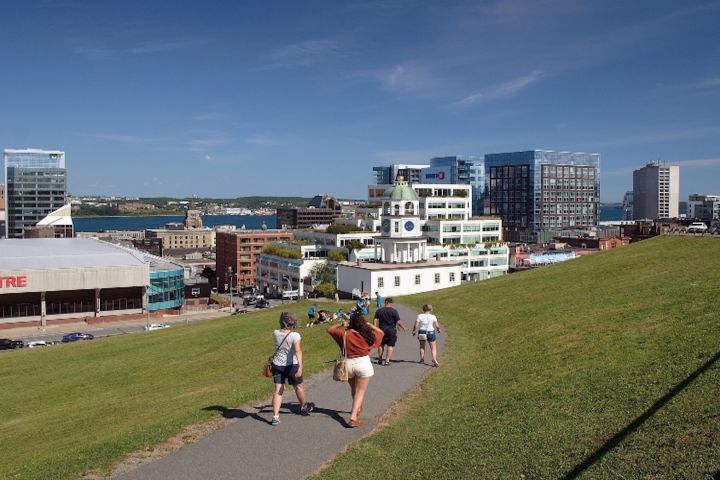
359, 338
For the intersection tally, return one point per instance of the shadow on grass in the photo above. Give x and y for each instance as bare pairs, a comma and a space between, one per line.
291, 407
635, 424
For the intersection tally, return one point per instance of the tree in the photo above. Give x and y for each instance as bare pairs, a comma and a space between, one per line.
354, 245
322, 273
336, 256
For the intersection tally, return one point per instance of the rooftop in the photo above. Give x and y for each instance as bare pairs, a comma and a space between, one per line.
54, 253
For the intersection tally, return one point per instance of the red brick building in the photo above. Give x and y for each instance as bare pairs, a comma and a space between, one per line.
239, 249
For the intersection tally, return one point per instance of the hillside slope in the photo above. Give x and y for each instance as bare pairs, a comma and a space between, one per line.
601, 367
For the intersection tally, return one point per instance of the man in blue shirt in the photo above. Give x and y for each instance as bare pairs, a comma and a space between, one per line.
378, 300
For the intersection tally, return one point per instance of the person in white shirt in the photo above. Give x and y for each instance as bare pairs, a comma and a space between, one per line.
427, 327
287, 366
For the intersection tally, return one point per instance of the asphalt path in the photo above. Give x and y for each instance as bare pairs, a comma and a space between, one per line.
249, 447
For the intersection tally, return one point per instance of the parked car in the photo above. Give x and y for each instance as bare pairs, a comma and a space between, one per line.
37, 343
697, 227
156, 326
290, 295
262, 303
75, 336
7, 344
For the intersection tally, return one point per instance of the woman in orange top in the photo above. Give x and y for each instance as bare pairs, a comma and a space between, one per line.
360, 338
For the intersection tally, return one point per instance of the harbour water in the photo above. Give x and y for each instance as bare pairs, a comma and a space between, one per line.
97, 224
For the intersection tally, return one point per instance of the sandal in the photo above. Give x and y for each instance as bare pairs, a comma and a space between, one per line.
354, 423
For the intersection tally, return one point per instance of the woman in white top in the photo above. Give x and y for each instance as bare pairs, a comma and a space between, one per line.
427, 328
287, 365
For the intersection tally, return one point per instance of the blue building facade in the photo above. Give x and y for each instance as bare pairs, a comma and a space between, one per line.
459, 169
543, 190
167, 289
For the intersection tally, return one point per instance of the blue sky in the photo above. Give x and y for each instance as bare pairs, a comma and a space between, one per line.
296, 98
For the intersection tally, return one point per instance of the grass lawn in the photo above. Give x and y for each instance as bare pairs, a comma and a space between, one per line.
74, 408
587, 369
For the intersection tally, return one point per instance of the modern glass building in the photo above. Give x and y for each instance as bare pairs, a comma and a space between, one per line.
459, 169
388, 175
543, 190
35, 185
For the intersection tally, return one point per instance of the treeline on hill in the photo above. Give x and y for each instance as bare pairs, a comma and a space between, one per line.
251, 202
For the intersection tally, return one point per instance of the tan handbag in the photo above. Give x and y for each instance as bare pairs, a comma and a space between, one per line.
267, 368
340, 372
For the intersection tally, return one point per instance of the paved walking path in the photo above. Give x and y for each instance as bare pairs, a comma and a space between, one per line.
251, 448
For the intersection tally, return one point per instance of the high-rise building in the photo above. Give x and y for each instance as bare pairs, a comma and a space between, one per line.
627, 206
388, 175
459, 169
36, 185
543, 191
2, 211
656, 191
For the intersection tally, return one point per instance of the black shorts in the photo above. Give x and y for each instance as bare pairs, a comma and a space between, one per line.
283, 373
390, 337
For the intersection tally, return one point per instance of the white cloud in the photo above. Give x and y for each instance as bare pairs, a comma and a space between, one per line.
123, 138
209, 142
207, 157
262, 140
503, 90
304, 53
166, 45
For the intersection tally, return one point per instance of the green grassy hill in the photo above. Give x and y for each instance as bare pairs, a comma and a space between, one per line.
589, 368
601, 367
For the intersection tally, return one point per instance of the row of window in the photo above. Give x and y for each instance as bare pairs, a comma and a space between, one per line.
396, 279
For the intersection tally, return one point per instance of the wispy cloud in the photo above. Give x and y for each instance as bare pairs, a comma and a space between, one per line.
166, 45
262, 140
703, 86
209, 142
305, 53
123, 138
406, 77
503, 90
209, 116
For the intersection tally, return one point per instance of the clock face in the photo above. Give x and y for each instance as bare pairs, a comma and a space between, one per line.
386, 225
409, 226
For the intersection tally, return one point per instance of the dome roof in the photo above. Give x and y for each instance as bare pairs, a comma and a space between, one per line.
400, 191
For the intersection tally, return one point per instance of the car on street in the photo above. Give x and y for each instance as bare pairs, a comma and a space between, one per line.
290, 295
7, 344
156, 326
37, 343
262, 303
75, 336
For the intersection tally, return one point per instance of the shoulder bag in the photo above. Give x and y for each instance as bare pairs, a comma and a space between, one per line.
340, 372
267, 368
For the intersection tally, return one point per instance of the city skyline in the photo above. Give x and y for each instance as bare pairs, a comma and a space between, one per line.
174, 99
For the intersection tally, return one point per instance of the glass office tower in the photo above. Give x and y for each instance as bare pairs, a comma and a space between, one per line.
459, 169
35, 185
543, 190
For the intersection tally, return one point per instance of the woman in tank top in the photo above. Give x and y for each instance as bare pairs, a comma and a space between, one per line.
427, 328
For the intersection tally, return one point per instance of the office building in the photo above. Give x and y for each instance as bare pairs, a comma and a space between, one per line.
2, 211
35, 185
237, 252
321, 210
656, 191
178, 241
541, 193
704, 207
388, 175
627, 206
458, 169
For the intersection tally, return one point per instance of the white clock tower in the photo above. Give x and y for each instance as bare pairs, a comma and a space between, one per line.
401, 240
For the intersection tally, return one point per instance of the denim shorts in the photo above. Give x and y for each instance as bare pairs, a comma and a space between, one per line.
431, 337
281, 373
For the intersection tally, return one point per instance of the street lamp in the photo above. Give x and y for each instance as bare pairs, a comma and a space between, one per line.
230, 274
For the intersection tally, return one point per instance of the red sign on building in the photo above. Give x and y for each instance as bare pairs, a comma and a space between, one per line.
13, 281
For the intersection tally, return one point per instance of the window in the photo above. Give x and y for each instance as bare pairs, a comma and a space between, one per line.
397, 281
452, 277
397, 227
437, 278
195, 291
417, 279
381, 282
